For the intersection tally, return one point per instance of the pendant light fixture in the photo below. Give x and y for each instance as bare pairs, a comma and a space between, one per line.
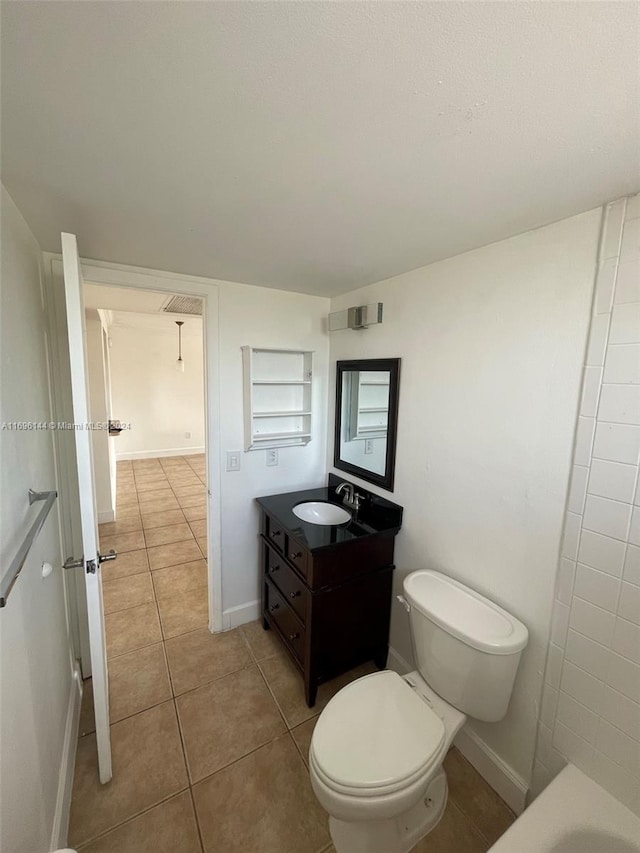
180, 360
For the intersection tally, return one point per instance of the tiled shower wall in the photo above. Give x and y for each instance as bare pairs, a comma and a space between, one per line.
590, 712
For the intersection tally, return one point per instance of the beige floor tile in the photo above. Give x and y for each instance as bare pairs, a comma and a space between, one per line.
157, 484
182, 613
176, 580
173, 554
143, 465
87, 722
148, 767
126, 489
165, 535
167, 828
183, 480
162, 519
129, 591
183, 491
133, 521
199, 527
476, 798
194, 513
192, 500
285, 682
126, 501
137, 681
202, 544
153, 496
132, 629
225, 720
129, 563
302, 736
162, 504
454, 834
123, 542
263, 644
201, 657
262, 804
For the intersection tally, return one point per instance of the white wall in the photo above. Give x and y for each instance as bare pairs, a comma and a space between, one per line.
258, 317
492, 344
35, 667
160, 403
591, 704
100, 413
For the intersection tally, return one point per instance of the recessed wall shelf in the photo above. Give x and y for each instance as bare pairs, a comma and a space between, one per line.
370, 407
277, 397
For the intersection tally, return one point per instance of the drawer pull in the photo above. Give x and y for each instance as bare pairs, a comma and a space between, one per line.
274, 607
274, 569
295, 594
275, 533
295, 636
295, 554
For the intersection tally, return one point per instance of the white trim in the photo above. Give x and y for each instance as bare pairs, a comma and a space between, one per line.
502, 778
397, 663
151, 454
67, 764
106, 516
240, 615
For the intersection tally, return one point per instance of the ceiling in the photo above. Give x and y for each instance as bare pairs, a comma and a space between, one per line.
313, 146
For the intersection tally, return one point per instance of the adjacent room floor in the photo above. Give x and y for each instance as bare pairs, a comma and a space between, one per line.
210, 734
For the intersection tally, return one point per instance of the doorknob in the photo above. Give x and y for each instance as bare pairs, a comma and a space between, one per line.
106, 558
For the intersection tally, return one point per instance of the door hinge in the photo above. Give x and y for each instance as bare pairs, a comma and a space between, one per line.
91, 567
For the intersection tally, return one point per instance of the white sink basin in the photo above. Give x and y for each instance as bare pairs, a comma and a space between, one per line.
321, 512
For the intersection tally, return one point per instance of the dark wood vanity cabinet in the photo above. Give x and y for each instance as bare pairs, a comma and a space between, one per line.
331, 605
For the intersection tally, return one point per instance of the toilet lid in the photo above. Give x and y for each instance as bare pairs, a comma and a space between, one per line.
376, 732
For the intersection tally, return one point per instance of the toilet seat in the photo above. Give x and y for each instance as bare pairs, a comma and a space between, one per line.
375, 737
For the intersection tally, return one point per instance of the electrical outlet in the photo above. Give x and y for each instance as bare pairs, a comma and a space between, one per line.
368, 446
233, 460
187, 435
272, 457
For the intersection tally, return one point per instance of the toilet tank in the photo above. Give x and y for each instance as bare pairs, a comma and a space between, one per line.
467, 648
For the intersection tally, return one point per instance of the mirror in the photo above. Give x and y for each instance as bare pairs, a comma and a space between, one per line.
366, 419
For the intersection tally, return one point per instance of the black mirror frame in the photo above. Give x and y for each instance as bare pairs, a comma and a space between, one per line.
385, 481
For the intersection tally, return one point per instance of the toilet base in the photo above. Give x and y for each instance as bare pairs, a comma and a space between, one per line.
395, 835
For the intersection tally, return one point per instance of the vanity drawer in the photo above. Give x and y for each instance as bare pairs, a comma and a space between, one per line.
288, 582
276, 534
284, 619
297, 556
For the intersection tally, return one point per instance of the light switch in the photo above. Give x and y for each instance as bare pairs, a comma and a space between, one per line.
233, 460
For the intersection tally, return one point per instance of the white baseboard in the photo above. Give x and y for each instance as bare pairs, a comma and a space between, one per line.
240, 615
151, 454
107, 516
67, 764
502, 778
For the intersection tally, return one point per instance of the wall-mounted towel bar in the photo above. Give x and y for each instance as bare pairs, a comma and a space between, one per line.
11, 575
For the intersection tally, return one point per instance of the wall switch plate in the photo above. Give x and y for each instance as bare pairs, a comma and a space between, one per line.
233, 460
368, 446
187, 435
272, 457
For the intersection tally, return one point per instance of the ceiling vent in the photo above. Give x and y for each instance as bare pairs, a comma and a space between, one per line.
183, 305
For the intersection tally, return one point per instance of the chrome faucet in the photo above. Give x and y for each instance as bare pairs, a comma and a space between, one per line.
351, 497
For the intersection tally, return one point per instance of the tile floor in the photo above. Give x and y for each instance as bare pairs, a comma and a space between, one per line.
210, 734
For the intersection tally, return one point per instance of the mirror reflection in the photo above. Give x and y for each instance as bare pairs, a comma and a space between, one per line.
366, 418
365, 408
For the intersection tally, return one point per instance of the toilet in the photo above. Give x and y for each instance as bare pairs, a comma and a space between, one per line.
377, 749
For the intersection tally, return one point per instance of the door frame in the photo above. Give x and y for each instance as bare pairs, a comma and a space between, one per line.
120, 275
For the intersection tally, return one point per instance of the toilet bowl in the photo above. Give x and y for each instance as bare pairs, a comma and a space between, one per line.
376, 753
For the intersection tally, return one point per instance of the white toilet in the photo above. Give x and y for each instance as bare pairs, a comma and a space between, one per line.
377, 749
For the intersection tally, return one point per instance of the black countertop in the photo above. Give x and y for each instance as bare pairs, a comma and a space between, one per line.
377, 515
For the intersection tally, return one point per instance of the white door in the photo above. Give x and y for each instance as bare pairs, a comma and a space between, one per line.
91, 558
